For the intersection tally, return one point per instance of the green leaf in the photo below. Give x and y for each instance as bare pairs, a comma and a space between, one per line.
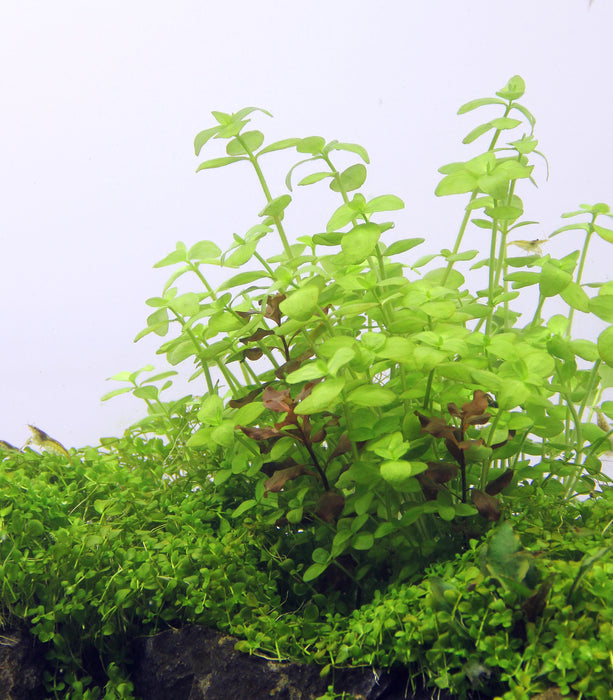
248, 141
243, 278
301, 304
553, 280
313, 572
217, 163
403, 245
158, 322
512, 393
276, 206
575, 297
203, 137
385, 202
360, 242
475, 104
605, 233
204, 250
116, 392
602, 306
605, 345
211, 410
149, 393
244, 507
177, 256
456, 183
363, 541
350, 179
306, 373
371, 395
341, 217
514, 89
311, 144
398, 472
185, 304
350, 147
279, 146
322, 398
314, 177
585, 349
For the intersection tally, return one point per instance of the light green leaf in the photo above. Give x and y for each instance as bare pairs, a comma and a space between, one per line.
306, 373
243, 278
475, 104
511, 393
279, 146
158, 322
586, 349
178, 255
301, 304
605, 345
217, 163
385, 202
371, 395
351, 179
602, 306
211, 410
322, 398
276, 206
402, 246
574, 296
311, 144
248, 413
314, 177
514, 89
185, 304
252, 140
204, 250
457, 183
350, 147
203, 137
360, 242
605, 233
553, 280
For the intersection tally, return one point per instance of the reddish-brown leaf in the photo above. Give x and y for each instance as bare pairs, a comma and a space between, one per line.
467, 444
237, 403
487, 505
258, 335
342, 446
441, 472
429, 488
259, 433
479, 420
278, 480
272, 308
329, 506
252, 354
501, 482
510, 436
454, 410
278, 401
478, 405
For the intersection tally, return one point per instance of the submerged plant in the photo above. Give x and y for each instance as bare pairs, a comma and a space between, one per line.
373, 405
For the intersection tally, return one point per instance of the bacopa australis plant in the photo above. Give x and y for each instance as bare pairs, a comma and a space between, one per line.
373, 407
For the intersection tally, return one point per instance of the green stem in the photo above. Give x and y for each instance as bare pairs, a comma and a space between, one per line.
580, 271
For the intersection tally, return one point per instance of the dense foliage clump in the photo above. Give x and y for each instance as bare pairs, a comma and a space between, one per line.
405, 469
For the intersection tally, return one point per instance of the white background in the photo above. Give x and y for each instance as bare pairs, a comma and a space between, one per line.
100, 102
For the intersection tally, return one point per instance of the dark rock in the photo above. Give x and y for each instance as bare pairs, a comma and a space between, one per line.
21, 666
195, 663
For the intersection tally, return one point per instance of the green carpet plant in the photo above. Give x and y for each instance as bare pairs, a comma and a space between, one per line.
383, 464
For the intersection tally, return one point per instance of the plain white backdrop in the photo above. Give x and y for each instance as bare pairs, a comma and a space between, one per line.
100, 102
